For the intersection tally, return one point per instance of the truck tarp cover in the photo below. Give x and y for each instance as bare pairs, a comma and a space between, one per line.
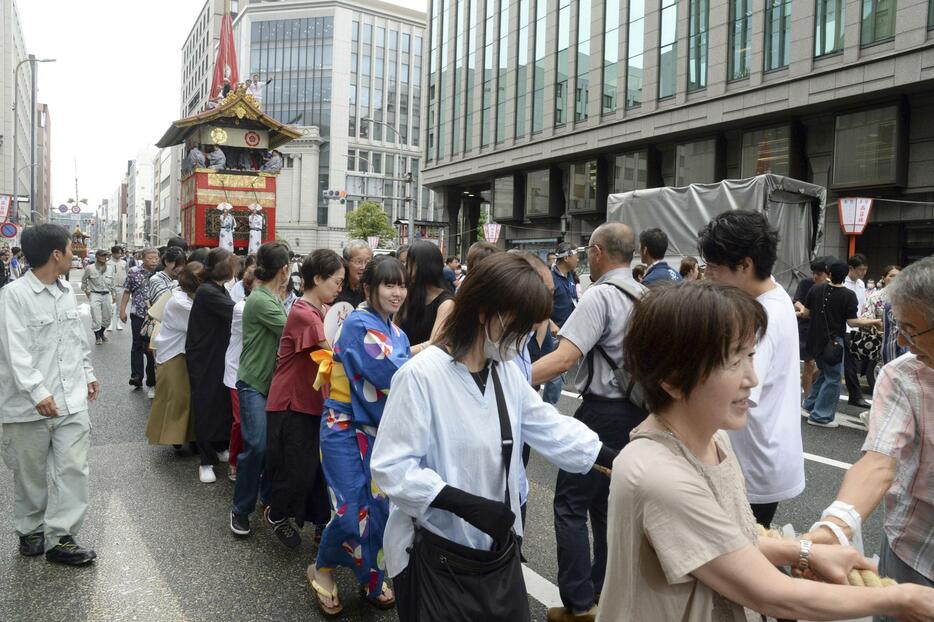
795, 208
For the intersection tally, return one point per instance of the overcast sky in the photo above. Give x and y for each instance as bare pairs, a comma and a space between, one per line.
114, 86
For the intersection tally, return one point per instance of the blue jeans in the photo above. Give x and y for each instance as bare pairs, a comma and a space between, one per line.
552, 392
825, 392
251, 461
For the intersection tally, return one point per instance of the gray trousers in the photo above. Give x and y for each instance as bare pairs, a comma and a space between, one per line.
115, 321
892, 566
49, 461
101, 310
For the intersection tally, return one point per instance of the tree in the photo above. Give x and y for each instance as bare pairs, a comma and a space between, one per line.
484, 218
367, 220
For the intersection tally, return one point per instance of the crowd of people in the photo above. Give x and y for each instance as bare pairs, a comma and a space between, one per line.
401, 438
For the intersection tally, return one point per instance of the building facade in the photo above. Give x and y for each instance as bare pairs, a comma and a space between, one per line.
539, 109
347, 73
166, 186
140, 196
198, 56
14, 52
44, 157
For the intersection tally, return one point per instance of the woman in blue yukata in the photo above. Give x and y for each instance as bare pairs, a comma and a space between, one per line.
367, 352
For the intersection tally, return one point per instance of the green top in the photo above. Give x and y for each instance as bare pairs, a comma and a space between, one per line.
263, 321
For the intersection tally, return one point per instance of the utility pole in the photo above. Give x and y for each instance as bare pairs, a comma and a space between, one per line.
33, 146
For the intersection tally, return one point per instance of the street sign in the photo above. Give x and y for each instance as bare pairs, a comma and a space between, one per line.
491, 232
75, 209
4, 207
854, 214
62, 208
8, 230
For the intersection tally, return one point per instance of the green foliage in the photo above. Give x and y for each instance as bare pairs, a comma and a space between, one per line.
369, 219
484, 218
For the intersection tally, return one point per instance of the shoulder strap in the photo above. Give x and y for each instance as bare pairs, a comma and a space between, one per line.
633, 294
505, 429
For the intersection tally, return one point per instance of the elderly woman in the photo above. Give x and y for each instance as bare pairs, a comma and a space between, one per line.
448, 454
682, 539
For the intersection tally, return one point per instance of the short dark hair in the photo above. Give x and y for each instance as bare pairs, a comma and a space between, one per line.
200, 254
191, 276
218, 266
479, 251
819, 265
736, 234
838, 271
177, 242
270, 258
173, 255
655, 242
40, 241
638, 272
521, 296
451, 258
687, 266
381, 270
116, 249
857, 261
701, 324
322, 263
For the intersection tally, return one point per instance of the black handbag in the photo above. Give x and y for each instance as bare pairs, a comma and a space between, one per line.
457, 583
832, 353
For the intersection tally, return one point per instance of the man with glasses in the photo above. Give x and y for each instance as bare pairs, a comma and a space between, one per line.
899, 457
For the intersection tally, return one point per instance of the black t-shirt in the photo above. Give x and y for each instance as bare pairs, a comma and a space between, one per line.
837, 304
801, 294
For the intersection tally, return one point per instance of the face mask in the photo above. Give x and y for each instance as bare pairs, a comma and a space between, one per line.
504, 350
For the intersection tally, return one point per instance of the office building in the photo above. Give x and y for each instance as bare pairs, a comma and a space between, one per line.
14, 52
44, 158
198, 56
541, 108
139, 185
166, 184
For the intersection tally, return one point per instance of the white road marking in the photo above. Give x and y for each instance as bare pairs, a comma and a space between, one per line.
828, 461
540, 588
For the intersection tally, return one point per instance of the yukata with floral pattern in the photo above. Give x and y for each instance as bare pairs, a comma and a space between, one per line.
367, 353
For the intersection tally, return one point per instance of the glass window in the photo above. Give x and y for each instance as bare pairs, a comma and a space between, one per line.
351, 160
377, 162
471, 83
368, 33
668, 49
696, 162
777, 33
561, 80
740, 33
931, 14
610, 55
582, 83
635, 53
878, 21
866, 148
458, 78
393, 39
354, 30
829, 25
504, 193
538, 71
363, 161
582, 187
489, 38
698, 13
536, 193
630, 171
380, 36
501, 74
767, 151
522, 67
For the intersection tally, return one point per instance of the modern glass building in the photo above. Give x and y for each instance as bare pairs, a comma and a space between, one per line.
353, 70
537, 110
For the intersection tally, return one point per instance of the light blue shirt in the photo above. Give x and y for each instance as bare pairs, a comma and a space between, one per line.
44, 350
438, 430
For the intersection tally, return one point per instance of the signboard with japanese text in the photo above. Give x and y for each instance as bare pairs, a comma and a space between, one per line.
5, 201
491, 231
854, 214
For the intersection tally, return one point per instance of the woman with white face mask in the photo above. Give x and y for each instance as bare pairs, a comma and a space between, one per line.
445, 454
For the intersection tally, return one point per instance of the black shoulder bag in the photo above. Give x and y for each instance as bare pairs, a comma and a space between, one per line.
832, 354
456, 583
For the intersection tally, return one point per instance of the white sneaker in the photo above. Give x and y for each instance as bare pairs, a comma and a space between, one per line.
224, 456
206, 474
151, 393
829, 424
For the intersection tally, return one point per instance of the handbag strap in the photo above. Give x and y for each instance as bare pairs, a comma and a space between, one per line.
505, 429
823, 309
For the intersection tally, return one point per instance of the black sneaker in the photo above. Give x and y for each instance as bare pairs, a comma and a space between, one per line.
136, 382
32, 544
284, 530
69, 553
240, 525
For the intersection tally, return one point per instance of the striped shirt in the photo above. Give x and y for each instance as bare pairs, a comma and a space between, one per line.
901, 425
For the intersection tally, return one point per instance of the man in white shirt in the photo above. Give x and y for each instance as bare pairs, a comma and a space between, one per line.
119, 266
851, 366
45, 389
740, 248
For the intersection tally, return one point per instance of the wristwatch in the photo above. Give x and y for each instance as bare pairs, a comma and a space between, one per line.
804, 559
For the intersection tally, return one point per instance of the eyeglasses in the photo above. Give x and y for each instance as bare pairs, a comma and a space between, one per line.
909, 337
588, 247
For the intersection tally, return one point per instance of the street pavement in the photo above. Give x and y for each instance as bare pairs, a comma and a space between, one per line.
165, 551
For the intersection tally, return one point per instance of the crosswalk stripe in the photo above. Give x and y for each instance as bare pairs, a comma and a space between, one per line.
540, 588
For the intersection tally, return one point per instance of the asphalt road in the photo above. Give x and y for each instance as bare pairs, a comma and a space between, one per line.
165, 551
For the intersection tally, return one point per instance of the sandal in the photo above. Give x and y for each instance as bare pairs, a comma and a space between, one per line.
379, 604
321, 594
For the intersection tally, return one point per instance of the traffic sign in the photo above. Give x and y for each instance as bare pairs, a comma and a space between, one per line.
62, 208
8, 230
75, 209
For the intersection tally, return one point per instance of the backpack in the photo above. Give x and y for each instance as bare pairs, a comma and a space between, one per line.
633, 392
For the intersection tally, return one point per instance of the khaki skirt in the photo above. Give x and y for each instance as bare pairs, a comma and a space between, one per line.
170, 421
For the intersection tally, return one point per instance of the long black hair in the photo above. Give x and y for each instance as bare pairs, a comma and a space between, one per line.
381, 270
424, 268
